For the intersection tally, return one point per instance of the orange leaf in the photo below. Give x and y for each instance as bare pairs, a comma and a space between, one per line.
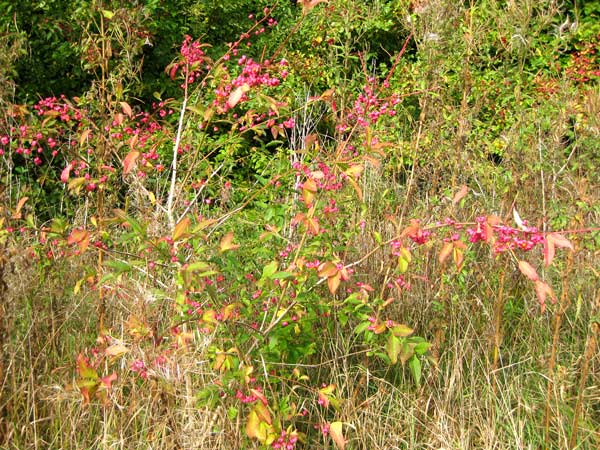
77, 236
309, 188
327, 269
336, 433
263, 413
356, 187
126, 109
412, 229
17, 214
307, 5
333, 283
445, 252
129, 161
354, 170
84, 136
133, 141
312, 225
119, 118
252, 425
181, 228
84, 369
464, 190
380, 328
528, 270
227, 243
493, 220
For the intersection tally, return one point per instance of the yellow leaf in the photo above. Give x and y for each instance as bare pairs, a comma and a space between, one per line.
236, 95
458, 256
337, 434
84, 136
116, 350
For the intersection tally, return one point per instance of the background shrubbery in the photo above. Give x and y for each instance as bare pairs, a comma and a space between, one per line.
342, 224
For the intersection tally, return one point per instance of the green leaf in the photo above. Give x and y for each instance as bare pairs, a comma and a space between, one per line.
415, 369
232, 413
108, 14
422, 347
282, 275
407, 352
361, 327
402, 331
268, 271
402, 264
118, 266
393, 348
198, 266
377, 237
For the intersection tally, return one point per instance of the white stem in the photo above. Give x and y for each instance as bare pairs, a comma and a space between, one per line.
171, 197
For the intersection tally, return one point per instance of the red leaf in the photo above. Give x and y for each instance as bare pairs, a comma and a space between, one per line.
66, 173
561, 241
259, 395
543, 291
554, 240
109, 380
528, 270
549, 250
129, 161
173, 71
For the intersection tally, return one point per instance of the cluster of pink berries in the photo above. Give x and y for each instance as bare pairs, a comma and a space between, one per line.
286, 441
